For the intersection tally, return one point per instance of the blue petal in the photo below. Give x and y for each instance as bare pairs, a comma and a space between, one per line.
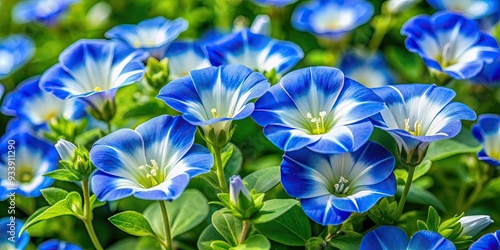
16, 50
110, 188
321, 210
198, 160
170, 189
385, 238
55, 244
489, 241
341, 139
184, 57
288, 139
20, 242
429, 240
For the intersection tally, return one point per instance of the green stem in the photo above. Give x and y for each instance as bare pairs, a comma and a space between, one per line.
88, 216
166, 226
244, 231
109, 127
380, 32
220, 169
401, 203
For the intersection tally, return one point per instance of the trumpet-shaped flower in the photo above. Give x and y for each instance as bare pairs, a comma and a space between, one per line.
9, 229
29, 102
153, 162
450, 43
473, 224
369, 69
487, 132
317, 108
212, 97
472, 8
417, 114
153, 35
55, 244
93, 70
394, 238
489, 241
43, 11
256, 51
184, 57
332, 186
33, 158
331, 19
15, 51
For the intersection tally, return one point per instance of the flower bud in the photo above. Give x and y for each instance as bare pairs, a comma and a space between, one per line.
236, 188
65, 149
473, 224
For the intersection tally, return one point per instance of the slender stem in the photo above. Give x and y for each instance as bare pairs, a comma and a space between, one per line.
166, 226
109, 127
87, 215
244, 231
380, 32
401, 204
220, 169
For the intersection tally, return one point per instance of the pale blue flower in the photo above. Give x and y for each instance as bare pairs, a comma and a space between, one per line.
15, 51
47, 12
9, 229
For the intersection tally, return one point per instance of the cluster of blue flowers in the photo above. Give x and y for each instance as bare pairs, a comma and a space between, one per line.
321, 117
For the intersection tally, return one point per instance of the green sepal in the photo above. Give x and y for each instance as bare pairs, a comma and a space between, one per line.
157, 73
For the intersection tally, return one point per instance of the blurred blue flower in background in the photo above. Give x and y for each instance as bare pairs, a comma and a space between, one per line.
487, 132
394, 238
153, 162
332, 186
213, 97
489, 241
184, 56
93, 71
55, 244
46, 12
256, 51
398, 6
274, 3
317, 108
369, 69
450, 43
486, 11
417, 114
15, 51
331, 19
20, 241
153, 35
33, 158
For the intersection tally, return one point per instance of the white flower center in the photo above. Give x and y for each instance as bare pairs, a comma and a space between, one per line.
417, 127
151, 172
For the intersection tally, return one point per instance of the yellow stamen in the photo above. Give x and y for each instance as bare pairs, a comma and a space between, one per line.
417, 126
319, 122
214, 113
97, 89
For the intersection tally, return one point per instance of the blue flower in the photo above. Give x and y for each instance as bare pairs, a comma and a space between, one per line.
331, 19
471, 8
9, 229
275, 3
93, 70
153, 35
184, 57
450, 43
487, 131
317, 108
32, 158
55, 244
394, 238
490, 75
255, 51
332, 186
367, 68
153, 162
487, 242
15, 51
29, 102
417, 114
473, 224
42, 11
212, 97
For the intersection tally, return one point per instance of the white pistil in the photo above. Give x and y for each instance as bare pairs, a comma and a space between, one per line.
445, 58
319, 122
417, 127
341, 187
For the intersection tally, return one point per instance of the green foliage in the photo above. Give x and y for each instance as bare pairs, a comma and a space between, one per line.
263, 180
132, 223
272, 209
228, 226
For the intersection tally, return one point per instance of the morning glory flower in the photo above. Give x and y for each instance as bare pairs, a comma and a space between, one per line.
487, 132
215, 96
394, 238
332, 186
369, 69
317, 108
489, 241
256, 51
29, 102
473, 224
93, 71
471, 8
33, 158
9, 229
450, 43
331, 19
153, 35
55, 244
153, 162
42, 11
15, 51
184, 57
274, 3
417, 114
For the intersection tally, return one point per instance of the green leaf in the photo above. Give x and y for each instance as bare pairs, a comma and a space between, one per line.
346, 240
87, 136
254, 242
62, 175
315, 243
228, 226
463, 143
418, 195
94, 203
433, 219
133, 223
406, 63
219, 245
420, 170
208, 235
291, 228
184, 213
149, 109
272, 209
52, 195
233, 164
263, 180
